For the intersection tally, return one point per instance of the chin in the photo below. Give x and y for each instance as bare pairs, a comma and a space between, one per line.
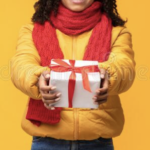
77, 8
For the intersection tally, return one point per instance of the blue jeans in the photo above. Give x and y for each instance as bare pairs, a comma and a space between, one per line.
47, 143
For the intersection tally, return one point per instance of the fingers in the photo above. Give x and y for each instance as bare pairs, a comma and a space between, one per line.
101, 97
51, 101
102, 93
105, 83
50, 98
48, 93
102, 72
46, 75
102, 90
48, 106
45, 89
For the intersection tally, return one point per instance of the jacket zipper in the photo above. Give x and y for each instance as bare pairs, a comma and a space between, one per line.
73, 47
76, 126
76, 118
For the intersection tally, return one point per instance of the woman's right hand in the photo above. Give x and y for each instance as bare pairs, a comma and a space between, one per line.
48, 98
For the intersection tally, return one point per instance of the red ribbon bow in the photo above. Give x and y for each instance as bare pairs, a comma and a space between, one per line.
63, 67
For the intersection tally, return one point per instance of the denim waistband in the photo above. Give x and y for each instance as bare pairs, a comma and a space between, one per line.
47, 143
99, 139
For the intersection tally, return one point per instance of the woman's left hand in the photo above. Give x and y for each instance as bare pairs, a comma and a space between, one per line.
102, 93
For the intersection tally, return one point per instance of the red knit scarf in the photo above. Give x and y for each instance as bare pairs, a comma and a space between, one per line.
47, 44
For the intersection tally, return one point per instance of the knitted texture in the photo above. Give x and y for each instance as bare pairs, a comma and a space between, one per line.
73, 23
47, 44
37, 114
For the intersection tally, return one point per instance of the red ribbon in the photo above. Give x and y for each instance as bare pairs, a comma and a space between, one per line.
62, 66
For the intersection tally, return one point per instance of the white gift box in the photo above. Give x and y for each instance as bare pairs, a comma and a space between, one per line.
81, 98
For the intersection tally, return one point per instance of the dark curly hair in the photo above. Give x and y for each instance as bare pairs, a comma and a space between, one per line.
43, 9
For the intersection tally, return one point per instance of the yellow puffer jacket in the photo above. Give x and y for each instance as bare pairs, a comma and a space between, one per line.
77, 124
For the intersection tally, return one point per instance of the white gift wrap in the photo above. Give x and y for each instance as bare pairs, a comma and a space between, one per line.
82, 98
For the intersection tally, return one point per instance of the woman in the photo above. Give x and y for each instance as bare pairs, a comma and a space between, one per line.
79, 30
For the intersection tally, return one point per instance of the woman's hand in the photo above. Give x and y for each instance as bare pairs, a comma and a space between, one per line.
101, 93
48, 98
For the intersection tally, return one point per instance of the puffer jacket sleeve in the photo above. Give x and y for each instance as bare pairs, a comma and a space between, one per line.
25, 64
120, 64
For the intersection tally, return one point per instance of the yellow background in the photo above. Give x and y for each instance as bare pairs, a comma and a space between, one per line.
135, 102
